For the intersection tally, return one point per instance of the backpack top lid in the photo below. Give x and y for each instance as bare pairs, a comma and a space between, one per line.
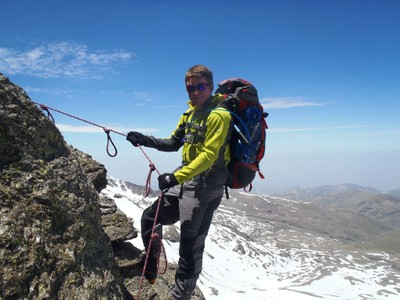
239, 88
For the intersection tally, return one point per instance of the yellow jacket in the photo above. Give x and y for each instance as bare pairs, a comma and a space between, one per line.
204, 135
205, 141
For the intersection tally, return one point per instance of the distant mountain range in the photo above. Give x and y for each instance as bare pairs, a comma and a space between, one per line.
381, 206
332, 189
332, 242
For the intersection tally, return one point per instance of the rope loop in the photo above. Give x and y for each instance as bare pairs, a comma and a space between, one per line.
109, 140
163, 253
153, 237
148, 180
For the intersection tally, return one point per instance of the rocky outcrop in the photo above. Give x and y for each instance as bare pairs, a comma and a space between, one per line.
58, 238
115, 223
52, 243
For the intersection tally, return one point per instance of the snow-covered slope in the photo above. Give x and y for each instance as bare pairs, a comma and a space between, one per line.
262, 247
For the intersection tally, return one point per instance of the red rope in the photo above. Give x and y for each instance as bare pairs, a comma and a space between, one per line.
148, 181
154, 235
45, 107
106, 130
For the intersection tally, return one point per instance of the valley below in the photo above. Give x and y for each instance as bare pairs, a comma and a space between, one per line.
273, 247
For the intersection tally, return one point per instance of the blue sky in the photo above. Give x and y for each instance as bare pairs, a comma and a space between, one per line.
328, 73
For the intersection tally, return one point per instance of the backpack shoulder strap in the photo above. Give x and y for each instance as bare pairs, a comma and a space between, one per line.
187, 113
184, 118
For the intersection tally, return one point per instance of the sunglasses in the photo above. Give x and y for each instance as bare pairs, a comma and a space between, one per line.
199, 87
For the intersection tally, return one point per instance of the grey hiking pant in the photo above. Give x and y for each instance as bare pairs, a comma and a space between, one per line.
193, 204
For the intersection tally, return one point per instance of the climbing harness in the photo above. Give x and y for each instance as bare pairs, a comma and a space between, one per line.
154, 235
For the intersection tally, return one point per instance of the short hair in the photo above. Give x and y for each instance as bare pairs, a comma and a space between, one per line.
200, 71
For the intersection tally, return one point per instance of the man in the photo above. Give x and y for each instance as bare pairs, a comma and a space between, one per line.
194, 190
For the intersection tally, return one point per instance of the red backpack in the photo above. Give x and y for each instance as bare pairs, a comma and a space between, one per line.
247, 142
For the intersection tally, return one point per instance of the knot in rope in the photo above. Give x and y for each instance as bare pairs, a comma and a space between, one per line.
49, 115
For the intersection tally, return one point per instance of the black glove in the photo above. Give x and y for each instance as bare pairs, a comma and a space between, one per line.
136, 138
166, 180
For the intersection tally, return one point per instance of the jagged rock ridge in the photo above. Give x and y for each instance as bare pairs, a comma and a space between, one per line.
58, 238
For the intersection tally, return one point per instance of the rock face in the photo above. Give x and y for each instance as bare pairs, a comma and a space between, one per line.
51, 240
58, 238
